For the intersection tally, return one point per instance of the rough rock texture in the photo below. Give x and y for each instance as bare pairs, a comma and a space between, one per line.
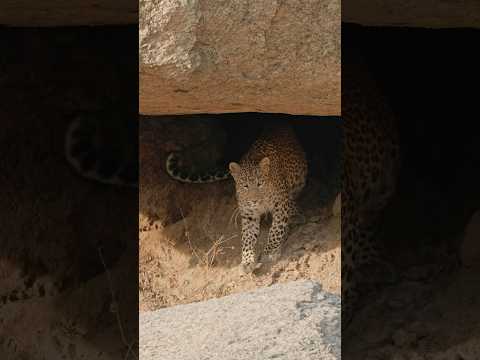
414, 13
296, 320
68, 13
206, 56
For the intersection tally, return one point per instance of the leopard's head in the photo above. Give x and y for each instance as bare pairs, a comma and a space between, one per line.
251, 182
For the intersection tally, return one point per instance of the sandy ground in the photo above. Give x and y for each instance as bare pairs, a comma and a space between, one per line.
201, 268
190, 238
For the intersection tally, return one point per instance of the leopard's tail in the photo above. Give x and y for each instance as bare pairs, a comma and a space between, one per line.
175, 170
99, 150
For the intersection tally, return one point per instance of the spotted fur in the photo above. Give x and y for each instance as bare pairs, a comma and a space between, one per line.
268, 179
371, 161
28, 287
175, 169
100, 148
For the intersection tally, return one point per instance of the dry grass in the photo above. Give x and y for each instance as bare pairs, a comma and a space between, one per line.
206, 258
216, 249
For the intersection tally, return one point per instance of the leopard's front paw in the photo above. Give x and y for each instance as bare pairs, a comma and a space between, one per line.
270, 257
248, 268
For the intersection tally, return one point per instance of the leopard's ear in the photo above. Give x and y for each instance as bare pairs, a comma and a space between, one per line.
234, 169
265, 166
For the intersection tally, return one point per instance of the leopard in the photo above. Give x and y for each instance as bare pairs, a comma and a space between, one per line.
268, 179
103, 148
371, 165
99, 147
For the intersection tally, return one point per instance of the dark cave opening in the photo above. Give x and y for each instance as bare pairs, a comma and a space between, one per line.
231, 135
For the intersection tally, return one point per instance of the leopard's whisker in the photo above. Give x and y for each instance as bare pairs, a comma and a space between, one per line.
236, 217
233, 217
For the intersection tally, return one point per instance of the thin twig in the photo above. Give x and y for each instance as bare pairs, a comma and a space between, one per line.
187, 235
116, 310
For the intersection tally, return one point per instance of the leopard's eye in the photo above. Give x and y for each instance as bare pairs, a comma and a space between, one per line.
245, 186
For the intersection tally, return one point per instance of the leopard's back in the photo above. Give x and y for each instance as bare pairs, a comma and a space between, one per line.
288, 170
